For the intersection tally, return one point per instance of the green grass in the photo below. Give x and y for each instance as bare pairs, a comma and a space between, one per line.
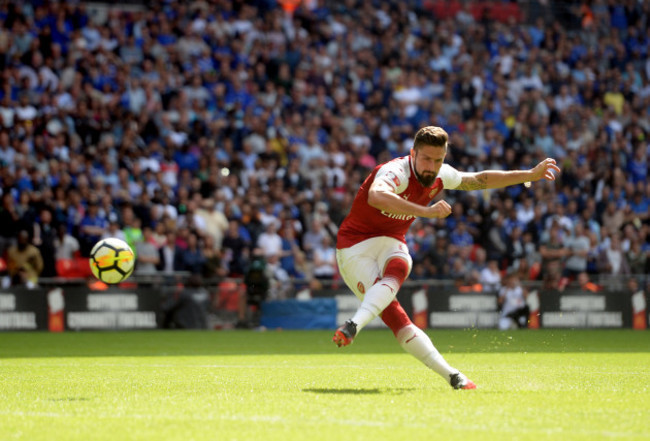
290, 385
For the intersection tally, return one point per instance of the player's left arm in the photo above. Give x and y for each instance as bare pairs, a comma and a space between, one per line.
499, 179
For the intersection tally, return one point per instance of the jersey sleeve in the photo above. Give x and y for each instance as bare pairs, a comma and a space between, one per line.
450, 176
394, 175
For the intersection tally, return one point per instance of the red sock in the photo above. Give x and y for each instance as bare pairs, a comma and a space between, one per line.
395, 317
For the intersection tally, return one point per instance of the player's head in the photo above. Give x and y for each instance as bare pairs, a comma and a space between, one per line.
428, 153
430, 136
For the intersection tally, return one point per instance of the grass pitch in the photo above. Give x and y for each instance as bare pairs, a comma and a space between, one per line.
296, 385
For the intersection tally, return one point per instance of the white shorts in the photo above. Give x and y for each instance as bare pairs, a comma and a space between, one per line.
362, 264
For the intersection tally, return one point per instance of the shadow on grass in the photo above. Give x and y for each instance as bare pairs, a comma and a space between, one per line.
374, 391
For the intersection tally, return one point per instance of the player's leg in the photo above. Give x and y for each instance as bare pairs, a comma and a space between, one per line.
417, 343
360, 267
383, 292
378, 296
359, 270
393, 258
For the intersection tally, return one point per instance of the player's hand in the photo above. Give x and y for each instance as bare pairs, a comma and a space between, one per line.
544, 170
440, 209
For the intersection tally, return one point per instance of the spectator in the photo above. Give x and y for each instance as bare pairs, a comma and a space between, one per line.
490, 276
290, 248
189, 218
213, 266
66, 245
325, 259
438, 257
613, 217
280, 282
461, 266
190, 259
169, 255
131, 229
516, 250
612, 259
257, 287
313, 237
24, 262
512, 303
91, 228
639, 208
9, 219
552, 249
214, 220
585, 283
460, 236
419, 272
530, 250
322, 215
114, 230
269, 243
577, 250
236, 250
190, 114
147, 254
45, 240
496, 245
158, 236
637, 258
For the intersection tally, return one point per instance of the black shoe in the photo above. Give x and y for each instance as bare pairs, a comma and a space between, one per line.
460, 381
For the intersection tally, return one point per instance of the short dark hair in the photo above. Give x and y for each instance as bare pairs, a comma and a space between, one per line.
430, 136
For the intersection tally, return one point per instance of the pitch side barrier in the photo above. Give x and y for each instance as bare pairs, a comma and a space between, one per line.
71, 307
433, 304
443, 305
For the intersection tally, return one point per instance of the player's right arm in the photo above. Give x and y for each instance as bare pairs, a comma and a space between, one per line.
382, 196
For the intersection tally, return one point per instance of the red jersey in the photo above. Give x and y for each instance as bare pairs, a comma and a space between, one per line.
364, 221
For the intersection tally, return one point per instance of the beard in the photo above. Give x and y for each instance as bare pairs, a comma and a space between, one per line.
427, 178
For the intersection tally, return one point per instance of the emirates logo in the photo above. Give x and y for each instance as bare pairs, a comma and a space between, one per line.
361, 288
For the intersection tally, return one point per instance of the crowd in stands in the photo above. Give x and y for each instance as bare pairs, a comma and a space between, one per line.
206, 132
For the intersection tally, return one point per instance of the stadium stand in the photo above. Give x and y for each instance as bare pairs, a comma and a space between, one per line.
222, 118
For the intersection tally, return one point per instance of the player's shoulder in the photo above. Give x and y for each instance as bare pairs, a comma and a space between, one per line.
450, 176
397, 163
447, 169
399, 166
396, 171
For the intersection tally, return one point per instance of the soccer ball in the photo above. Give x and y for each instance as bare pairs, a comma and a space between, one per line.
112, 260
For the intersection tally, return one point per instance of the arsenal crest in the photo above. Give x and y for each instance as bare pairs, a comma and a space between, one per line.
437, 187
